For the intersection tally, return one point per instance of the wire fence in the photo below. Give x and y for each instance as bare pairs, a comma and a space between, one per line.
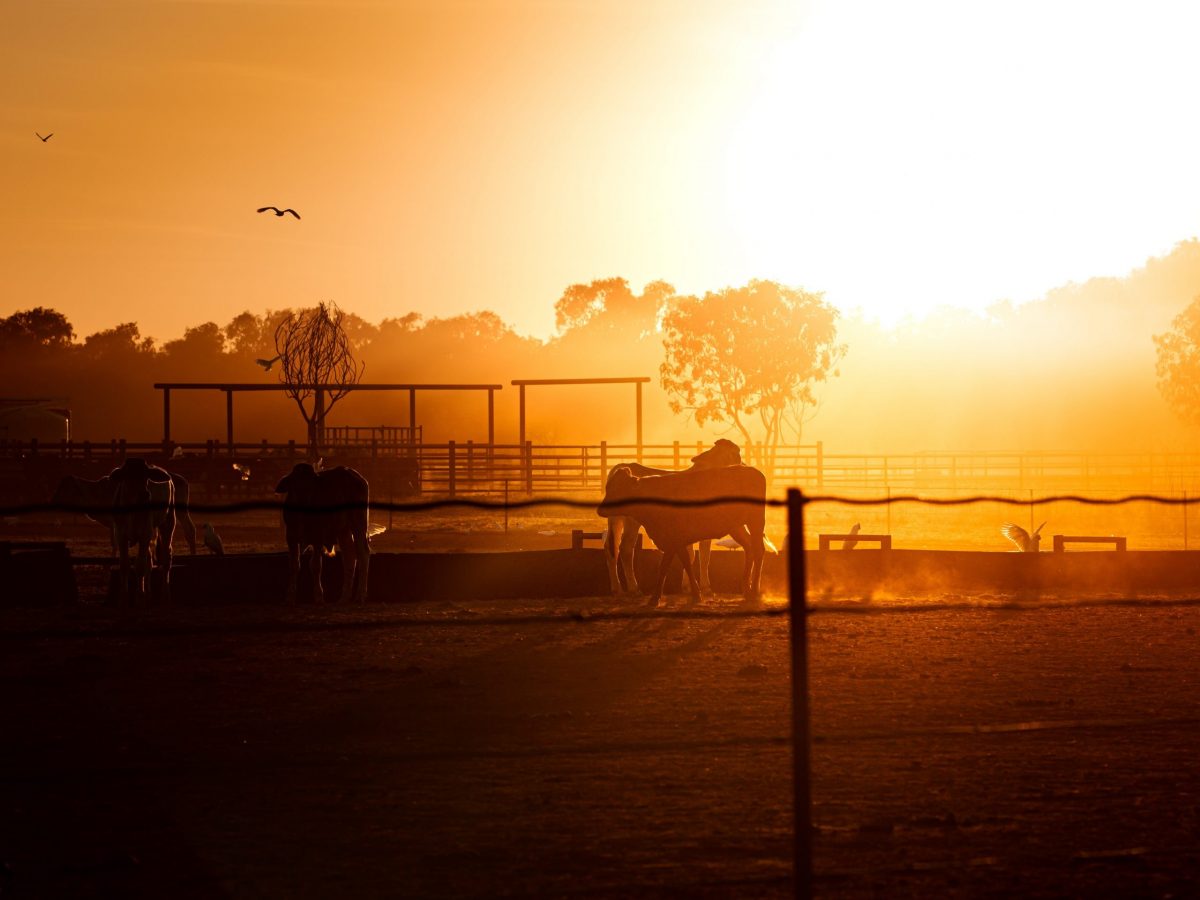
797, 612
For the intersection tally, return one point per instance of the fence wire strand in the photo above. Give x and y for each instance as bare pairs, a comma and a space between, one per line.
237, 506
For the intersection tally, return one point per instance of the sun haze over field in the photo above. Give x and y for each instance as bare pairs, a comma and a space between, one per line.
451, 156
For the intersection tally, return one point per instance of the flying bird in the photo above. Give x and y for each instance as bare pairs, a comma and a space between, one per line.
46, 138
852, 542
212, 540
267, 363
1026, 542
374, 530
278, 211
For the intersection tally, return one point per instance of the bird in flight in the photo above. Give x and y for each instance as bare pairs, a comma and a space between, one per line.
46, 138
1026, 542
267, 363
278, 211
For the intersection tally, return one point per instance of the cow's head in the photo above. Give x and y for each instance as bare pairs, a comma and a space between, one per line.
302, 476
621, 485
130, 482
722, 453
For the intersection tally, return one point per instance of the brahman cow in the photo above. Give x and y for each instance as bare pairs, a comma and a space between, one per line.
621, 538
95, 499
674, 528
321, 510
143, 514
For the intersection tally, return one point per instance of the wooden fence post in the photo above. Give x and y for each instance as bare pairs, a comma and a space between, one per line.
529, 467
603, 463
801, 737
677, 454
450, 468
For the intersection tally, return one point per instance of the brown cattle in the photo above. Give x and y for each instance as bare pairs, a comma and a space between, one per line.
144, 514
674, 527
323, 510
621, 537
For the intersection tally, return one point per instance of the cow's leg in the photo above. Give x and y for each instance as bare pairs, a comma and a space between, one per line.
759, 552
612, 540
660, 582
293, 571
144, 567
629, 539
363, 549
189, 530
349, 557
165, 556
122, 573
705, 558
742, 535
314, 568
689, 566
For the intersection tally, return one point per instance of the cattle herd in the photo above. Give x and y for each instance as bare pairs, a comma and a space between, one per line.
717, 496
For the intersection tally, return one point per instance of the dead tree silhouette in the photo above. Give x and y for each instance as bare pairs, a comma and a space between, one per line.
317, 364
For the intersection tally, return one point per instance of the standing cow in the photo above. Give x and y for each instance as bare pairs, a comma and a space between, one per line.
95, 499
143, 505
673, 528
621, 536
321, 510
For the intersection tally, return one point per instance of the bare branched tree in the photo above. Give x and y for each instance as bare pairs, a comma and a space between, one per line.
317, 364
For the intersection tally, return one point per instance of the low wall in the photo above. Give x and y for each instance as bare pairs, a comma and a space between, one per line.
406, 577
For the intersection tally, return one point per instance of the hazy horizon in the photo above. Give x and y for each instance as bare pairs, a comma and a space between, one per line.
447, 158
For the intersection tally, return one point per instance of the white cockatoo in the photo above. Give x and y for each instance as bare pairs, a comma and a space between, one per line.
1026, 542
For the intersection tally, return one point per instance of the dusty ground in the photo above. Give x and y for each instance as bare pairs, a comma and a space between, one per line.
429, 751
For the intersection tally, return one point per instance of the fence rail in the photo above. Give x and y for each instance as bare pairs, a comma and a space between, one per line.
475, 468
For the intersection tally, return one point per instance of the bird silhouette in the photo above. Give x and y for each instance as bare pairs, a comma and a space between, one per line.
1026, 542
267, 363
212, 540
46, 138
730, 544
278, 211
851, 542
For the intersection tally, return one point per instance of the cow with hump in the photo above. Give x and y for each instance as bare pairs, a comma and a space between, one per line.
740, 513
621, 536
323, 510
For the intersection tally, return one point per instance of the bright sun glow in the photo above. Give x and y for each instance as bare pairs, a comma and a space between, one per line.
905, 156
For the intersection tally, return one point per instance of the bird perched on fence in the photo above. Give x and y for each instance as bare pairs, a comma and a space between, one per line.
851, 542
1026, 542
212, 540
267, 363
278, 211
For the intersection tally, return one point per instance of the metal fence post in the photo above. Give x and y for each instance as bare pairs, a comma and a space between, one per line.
801, 737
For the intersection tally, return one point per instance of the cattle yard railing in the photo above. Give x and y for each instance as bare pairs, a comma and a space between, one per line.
459, 468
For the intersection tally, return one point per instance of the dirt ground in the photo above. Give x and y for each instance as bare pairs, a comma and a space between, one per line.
430, 750
467, 750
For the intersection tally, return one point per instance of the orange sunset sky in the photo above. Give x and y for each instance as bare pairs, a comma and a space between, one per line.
456, 155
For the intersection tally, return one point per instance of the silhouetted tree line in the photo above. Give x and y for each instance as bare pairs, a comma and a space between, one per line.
1073, 370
